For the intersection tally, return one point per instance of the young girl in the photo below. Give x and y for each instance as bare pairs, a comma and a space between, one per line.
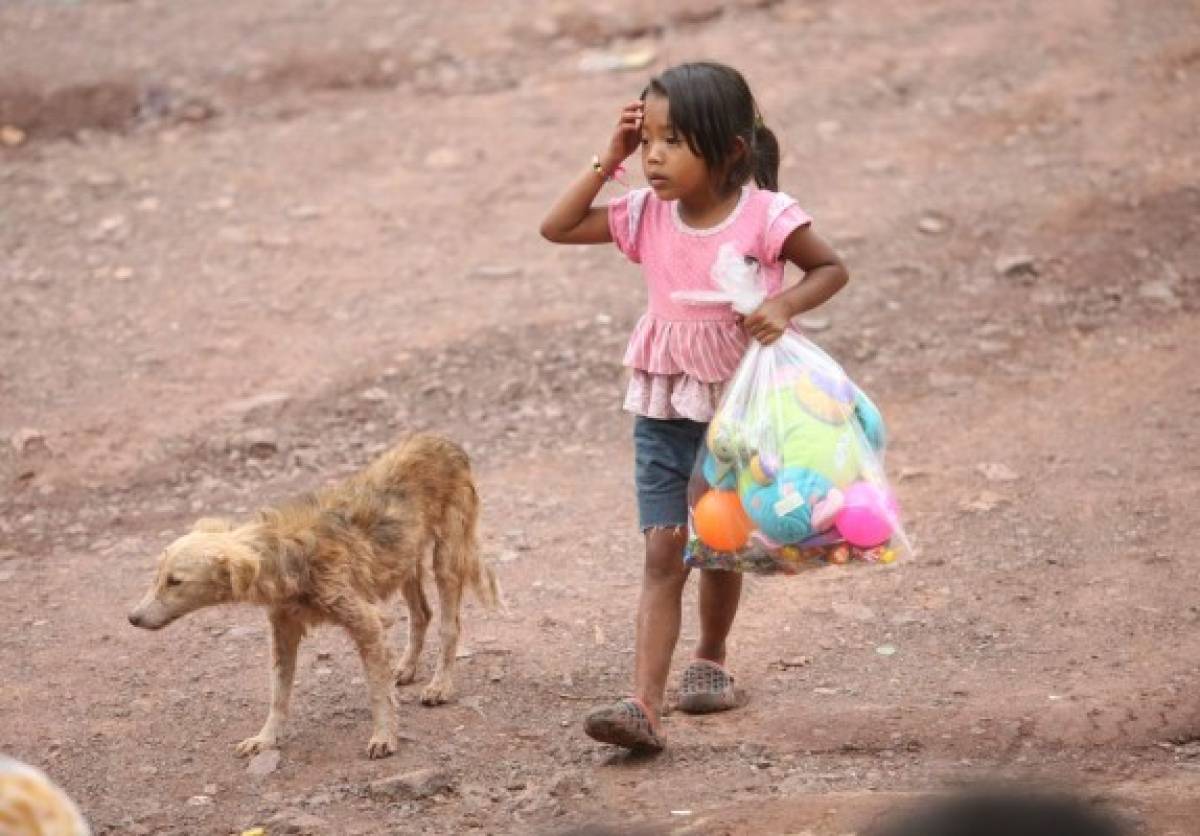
702, 143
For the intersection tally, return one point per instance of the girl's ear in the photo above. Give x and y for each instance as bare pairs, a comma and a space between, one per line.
737, 157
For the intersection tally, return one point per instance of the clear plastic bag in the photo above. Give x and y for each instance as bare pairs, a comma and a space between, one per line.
791, 476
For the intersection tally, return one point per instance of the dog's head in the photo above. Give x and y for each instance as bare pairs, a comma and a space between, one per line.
206, 566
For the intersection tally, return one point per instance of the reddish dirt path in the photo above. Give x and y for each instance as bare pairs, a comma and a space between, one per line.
333, 213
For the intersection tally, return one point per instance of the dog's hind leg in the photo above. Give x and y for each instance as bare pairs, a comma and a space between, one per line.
286, 633
419, 615
364, 624
449, 585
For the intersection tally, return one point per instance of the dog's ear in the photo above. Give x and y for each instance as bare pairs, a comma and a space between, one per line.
212, 525
241, 570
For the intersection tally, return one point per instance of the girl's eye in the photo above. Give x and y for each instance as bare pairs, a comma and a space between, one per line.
672, 140
173, 581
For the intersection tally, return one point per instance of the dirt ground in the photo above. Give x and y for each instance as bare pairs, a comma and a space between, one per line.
246, 245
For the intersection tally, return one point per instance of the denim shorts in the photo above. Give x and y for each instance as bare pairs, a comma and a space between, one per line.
664, 454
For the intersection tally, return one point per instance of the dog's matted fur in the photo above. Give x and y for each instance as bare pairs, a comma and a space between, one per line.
337, 555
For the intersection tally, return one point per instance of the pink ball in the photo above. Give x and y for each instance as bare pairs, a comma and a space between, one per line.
868, 516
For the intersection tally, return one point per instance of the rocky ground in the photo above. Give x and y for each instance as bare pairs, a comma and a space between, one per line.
247, 245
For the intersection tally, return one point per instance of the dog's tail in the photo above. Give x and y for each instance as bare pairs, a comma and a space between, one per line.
475, 570
486, 585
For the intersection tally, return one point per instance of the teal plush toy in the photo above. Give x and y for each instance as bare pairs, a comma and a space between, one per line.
722, 481
871, 421
783, 510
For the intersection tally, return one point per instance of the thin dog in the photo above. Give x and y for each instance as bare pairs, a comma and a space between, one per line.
336, 556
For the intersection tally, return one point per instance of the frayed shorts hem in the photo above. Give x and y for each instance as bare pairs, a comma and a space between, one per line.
664, 456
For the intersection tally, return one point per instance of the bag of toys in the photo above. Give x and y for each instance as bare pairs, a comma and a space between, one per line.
791, 476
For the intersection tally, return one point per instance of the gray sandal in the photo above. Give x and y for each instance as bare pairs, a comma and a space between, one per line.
625, 723
706, 687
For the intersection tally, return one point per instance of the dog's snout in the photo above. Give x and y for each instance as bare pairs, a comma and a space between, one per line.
135, 619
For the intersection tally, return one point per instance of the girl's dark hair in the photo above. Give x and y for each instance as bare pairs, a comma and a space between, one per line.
711, 106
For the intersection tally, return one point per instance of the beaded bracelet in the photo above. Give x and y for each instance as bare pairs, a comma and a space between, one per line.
598, 167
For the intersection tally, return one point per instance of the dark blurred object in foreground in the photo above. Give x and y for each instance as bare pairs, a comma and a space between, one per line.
1000, 812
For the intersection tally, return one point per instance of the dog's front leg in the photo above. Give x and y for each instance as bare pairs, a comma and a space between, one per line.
365, 626
285, 639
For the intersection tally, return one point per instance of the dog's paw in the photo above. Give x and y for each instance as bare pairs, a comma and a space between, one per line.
254, 745
382, 746
405, 674
436, 693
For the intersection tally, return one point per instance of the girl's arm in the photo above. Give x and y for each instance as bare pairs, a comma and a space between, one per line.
573, 219
824, 275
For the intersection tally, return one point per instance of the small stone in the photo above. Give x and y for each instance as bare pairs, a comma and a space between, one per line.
123, 274
932, 225
267, 400
496, 271
795, 662
111, 224
814, 323
410, 786
1158, 291
886, 650
985, 502
375, 395
11, 136
1016, 266
568, 785
607, 62
28, 440
260, 443
199, 800
997, 472
264, 763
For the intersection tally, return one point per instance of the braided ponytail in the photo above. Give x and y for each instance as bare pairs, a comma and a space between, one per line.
764, 152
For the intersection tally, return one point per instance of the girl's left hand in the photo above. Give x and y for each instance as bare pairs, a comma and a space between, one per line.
768, 323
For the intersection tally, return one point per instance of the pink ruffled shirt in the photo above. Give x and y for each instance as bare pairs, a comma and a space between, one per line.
682, 355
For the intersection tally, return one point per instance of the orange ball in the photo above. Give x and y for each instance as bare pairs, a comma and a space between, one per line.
721, 521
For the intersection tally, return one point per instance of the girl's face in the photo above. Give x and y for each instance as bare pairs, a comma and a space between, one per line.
674, 171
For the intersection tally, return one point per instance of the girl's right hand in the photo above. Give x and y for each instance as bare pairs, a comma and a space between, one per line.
626, 137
